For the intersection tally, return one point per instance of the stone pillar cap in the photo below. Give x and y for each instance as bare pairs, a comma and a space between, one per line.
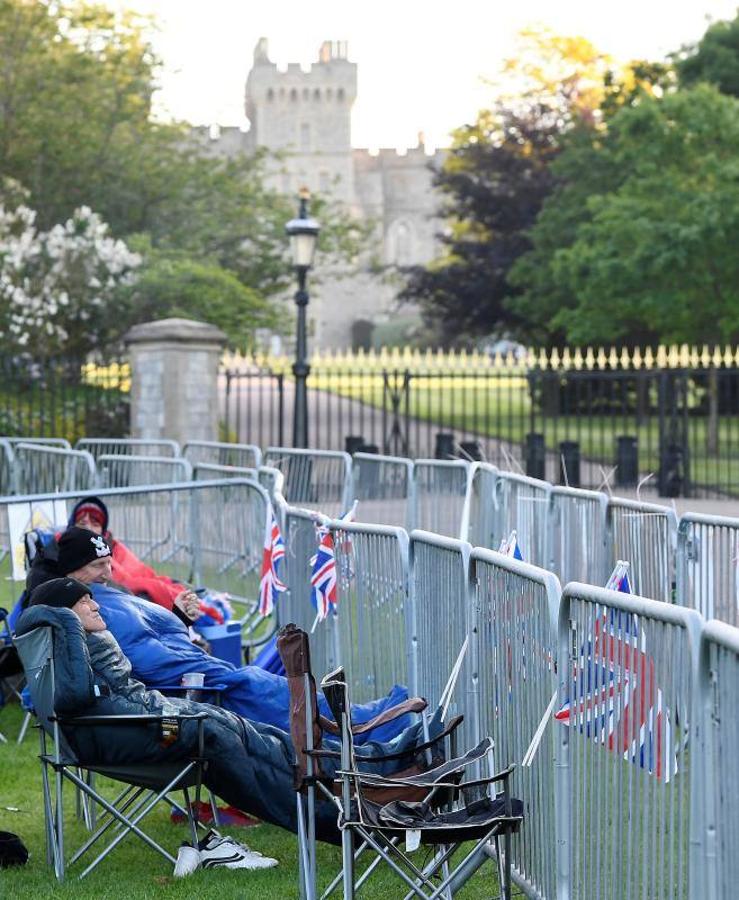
183, 331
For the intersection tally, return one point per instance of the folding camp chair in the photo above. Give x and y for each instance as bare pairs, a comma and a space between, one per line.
11, 671
424, 777
146, 784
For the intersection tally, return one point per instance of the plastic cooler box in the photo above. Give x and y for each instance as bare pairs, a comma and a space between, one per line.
225, 641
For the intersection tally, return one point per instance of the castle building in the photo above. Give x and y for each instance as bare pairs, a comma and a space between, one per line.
306, 117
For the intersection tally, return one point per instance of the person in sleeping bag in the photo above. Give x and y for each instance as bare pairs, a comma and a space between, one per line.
158, 646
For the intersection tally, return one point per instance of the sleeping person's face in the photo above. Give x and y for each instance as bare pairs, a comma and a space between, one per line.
88, 612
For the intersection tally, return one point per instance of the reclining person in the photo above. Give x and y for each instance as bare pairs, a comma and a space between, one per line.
159, 649
250, 764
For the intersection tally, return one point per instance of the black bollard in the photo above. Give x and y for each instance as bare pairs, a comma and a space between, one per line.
536, 456
569, 463
470, 450
445, 445
627, 460
353, 443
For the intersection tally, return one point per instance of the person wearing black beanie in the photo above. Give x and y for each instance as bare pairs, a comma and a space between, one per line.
84, 555
69, 593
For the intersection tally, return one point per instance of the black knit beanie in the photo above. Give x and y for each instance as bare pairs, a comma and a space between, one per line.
78, 547
60, 592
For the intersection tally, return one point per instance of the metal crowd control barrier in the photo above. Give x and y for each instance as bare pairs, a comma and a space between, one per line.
708, 566
128, 447
208, 471
645, 535
441, 496
314, 479
718, 679
482, 526
7, 467
171, 527
40, 468
299, 532
523, 505
383, 485
273, 481
439, 592
516, 608
374, 631
577, 535
627, 669
127, 471
219, 453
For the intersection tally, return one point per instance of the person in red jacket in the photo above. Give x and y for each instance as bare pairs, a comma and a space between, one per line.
136, 576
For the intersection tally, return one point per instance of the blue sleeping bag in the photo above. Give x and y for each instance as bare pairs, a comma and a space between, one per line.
160, 650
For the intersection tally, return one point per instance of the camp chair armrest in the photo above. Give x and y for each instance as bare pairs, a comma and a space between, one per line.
411, 705
327, 754
122, 720
367, 779
418, 748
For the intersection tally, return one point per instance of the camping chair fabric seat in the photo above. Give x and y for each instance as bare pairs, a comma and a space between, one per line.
469, 823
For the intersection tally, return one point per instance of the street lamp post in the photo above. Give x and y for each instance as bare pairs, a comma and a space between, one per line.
303, 232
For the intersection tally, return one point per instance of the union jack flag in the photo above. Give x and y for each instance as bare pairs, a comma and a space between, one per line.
617, 702
270, 586
323, 567
619, 578
509, 547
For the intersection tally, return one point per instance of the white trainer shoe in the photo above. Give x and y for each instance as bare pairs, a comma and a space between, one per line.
217, 850
188, 861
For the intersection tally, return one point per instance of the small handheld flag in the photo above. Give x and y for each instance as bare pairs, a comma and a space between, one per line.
270, 585
323, 568
509, 547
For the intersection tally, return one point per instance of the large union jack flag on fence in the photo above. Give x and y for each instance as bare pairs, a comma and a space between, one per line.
270, 586
616, 701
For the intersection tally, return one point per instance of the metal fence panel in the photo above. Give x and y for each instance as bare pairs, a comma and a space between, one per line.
383, 485
314, 479
7, 468
719, 688
220, 453
481, 531
628, 668
62, 443
439, 590
39, 468
299, 532
166, 528
708, 566
577, 535
516, 610
374, 638
441, 496
645, 535
523, 506
128, 471
98, 447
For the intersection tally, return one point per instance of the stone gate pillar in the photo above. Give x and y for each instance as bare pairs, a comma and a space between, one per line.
174, 379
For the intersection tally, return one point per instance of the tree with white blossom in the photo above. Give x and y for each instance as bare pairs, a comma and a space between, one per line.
58, 288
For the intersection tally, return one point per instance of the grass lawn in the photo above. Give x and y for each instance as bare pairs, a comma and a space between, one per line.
134, 871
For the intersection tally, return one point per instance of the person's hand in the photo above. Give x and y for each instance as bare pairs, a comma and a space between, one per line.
189, 602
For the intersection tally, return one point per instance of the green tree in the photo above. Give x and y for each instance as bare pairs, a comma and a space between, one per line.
639, 242
714, 59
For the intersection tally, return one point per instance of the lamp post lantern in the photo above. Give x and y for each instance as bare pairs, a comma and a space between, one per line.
303, 232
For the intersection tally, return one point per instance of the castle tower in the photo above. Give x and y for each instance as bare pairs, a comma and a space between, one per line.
307, 117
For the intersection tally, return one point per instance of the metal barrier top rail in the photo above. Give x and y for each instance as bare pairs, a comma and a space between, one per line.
47, 441
222, 453
128, 447
202, 470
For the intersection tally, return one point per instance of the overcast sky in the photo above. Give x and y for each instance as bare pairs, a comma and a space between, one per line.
421, 64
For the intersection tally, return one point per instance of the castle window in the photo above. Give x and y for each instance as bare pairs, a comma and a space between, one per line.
305, 136
399, 244
270, 95
340, 95
293, 95
316, 95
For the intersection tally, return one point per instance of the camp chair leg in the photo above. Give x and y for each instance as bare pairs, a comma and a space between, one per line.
362, 878
24, 727
347, 863
393, 865
439, 860
123, 808
191, 819
214, 808
307, 890
3, 739
60, 822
